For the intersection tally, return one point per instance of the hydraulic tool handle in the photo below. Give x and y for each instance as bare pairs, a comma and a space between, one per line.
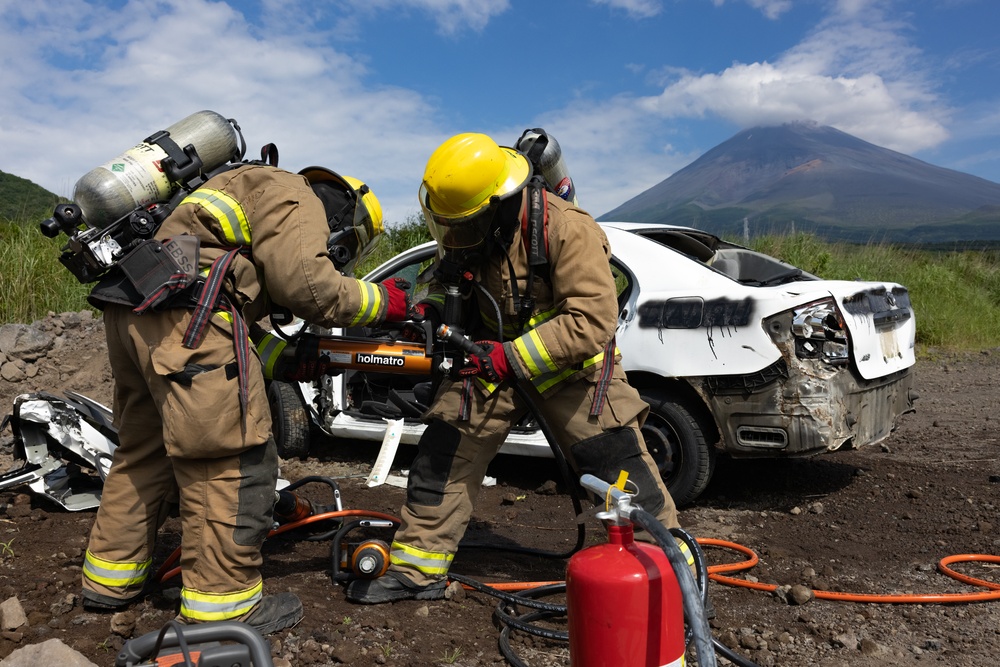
138, 649
451, 335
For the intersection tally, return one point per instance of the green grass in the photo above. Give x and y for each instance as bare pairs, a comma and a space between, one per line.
955, 294
32, 281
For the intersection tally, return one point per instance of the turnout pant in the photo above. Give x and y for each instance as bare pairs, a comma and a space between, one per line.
183, 440
453, 456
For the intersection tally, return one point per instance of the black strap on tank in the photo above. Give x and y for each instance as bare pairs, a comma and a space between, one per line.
269, 154
181, 164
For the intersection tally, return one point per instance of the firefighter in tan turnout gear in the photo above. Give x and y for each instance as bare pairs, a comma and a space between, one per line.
557, 341
190, 402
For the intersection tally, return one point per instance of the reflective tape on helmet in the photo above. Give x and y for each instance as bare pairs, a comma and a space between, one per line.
430, 563
123, 574
199, 606
227, 211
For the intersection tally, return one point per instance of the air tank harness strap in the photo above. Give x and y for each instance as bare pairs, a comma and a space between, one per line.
535, 237
211, 298
607, 369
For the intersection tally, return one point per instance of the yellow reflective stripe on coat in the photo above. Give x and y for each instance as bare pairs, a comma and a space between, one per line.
371, 302
269, 350
546, 381
199, 606
125, 574
226, 210
534, 354
430, 563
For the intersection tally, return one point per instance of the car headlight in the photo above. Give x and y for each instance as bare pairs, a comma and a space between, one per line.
820, 333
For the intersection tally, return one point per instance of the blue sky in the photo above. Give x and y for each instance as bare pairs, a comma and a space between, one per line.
632, 89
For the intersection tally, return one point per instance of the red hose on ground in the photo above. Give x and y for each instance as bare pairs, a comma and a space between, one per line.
715, 574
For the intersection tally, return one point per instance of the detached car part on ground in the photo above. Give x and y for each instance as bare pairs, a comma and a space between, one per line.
64, 446
735, 352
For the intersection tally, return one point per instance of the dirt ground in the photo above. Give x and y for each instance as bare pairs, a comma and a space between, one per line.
873, 522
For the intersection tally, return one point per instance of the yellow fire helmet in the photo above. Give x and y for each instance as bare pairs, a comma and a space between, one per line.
354, 230
466, 179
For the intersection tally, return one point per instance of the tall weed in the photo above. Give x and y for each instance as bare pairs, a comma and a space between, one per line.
32, 281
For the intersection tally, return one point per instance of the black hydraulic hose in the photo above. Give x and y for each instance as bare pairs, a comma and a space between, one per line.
701, 569
524, 599
694, 609
469, 347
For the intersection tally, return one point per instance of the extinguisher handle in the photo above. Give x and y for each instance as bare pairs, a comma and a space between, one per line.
616, 498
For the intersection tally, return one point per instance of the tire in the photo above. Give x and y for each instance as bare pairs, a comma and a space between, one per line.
676, 441
289, 420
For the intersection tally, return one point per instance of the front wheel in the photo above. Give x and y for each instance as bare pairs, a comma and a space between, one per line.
677, 442
289, 420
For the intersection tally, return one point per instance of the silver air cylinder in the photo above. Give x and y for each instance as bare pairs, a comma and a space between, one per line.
545, 154
135, 178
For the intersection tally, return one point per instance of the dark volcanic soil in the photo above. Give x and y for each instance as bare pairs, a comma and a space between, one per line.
873, 522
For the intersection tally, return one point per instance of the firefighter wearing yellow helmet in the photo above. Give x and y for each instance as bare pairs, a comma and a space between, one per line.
354, 216
190, 401
556, 340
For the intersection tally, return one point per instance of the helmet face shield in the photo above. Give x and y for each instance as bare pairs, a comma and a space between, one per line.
456, 232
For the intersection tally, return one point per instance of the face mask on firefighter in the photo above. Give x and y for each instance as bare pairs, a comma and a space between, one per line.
343, 216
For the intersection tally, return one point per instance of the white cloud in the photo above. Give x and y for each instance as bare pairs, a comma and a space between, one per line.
451, 15
772, 9
116, 85
640, 9
611, 150
856, 72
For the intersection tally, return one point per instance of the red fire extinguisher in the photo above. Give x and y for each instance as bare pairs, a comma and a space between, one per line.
624, 605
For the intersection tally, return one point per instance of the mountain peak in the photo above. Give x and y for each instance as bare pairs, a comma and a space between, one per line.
824, 181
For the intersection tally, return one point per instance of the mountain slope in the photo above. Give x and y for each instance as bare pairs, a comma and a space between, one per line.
23, 201
822, 180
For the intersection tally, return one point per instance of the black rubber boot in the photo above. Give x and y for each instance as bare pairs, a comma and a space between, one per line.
275, 612
392, 586
96, 602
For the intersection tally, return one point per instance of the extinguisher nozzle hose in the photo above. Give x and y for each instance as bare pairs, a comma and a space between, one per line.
694, 608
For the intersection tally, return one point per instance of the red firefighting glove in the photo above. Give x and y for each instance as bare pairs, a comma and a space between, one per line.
399, 309
492, 365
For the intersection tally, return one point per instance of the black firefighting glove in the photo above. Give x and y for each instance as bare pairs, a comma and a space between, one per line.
307, 365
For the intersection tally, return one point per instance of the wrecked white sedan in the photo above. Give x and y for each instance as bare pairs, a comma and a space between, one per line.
734, 351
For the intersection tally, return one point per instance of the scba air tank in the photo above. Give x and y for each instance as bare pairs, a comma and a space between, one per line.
623, 605
136, 178
545, 154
